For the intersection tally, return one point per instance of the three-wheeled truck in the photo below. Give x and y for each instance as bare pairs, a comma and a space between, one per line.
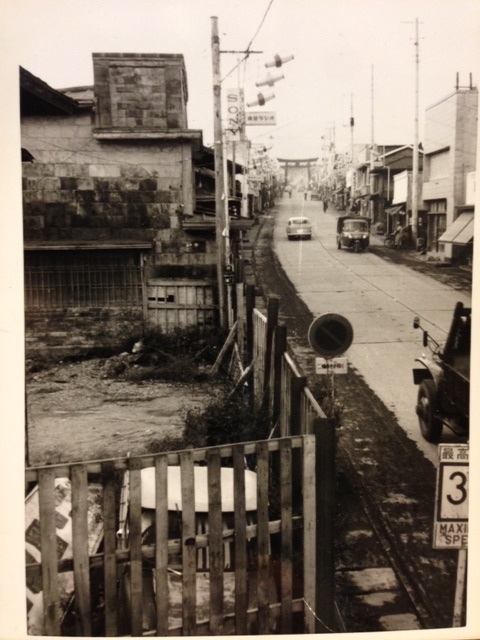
444, 379
353, 232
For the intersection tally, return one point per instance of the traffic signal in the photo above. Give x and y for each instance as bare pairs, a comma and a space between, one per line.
228, 274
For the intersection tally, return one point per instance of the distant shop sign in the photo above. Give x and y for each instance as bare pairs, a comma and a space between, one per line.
261, 118
450, 529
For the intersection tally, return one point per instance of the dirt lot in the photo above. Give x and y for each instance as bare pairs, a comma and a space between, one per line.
77, 411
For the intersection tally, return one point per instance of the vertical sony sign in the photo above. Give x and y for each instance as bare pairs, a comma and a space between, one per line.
235, 116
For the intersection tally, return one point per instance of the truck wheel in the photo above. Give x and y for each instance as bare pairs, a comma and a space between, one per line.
430, 425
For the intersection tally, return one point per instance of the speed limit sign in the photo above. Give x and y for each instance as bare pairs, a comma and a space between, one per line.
451, 501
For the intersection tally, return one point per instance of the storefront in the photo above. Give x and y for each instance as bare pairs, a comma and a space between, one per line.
457, 241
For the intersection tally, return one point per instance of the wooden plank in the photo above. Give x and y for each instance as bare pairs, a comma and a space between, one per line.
215, 547
263, 539
121, 464
250, 305
189, 555
272, 321
81, 572
241, 320
48, 546
286, 374
325, 504
161, 543
309, 533
223, 351
135, 546
143, 282
280, 346
286, 535
298, 383
109, 544
241, 576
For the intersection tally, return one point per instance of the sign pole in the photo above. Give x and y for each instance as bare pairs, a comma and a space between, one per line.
332, 378
460, 587
450, 526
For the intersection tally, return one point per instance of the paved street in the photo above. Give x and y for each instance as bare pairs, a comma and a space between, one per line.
386, 485
379, 299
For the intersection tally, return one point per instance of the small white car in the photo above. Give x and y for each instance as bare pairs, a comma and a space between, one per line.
300, 228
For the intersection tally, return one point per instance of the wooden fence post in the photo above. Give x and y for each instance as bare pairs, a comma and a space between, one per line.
240, 319
297, 385
250, 306
272, 320
280, 346
325, 502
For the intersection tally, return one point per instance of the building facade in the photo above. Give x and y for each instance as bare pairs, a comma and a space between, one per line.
451, 127
113, 240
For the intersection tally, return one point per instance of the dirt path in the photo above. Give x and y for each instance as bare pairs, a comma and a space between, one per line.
77, 412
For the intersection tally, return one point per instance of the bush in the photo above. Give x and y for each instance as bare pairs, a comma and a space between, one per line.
227, 420
183, 355
322, 392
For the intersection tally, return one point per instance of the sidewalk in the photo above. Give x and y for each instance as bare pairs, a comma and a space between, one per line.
457, 277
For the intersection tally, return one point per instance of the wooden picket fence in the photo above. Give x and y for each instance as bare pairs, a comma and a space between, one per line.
273, 585
94, 564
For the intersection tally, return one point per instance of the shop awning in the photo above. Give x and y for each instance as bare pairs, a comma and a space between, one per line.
393, 210
460, 231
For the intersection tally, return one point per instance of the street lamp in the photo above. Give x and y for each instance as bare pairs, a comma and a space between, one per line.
269, 80
278, 61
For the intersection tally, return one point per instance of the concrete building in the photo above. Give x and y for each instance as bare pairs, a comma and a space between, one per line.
374, 183
113, 240
450, 162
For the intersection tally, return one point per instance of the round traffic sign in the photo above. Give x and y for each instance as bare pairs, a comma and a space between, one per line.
330, 335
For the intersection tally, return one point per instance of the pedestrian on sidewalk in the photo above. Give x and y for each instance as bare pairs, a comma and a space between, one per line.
325, 205
397, 242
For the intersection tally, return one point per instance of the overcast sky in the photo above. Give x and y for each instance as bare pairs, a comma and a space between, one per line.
339, 47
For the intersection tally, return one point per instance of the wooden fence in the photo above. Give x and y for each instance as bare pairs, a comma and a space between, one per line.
278, 385
151, 581
179, 303
155, 580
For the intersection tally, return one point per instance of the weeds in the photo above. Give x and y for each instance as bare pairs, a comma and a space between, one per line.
227, 420
323, 393
180, 356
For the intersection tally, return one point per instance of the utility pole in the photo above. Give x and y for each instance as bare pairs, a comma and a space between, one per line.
219, 175
415, 144
372, 130
352, 125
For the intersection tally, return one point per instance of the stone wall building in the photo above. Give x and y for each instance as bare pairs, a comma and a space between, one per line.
108, 195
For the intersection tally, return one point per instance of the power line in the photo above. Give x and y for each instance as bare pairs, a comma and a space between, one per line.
260, 25
250, 43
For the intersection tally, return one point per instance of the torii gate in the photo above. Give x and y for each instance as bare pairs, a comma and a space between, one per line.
297, 164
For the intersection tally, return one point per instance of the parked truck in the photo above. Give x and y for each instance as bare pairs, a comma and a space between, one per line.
444, 379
